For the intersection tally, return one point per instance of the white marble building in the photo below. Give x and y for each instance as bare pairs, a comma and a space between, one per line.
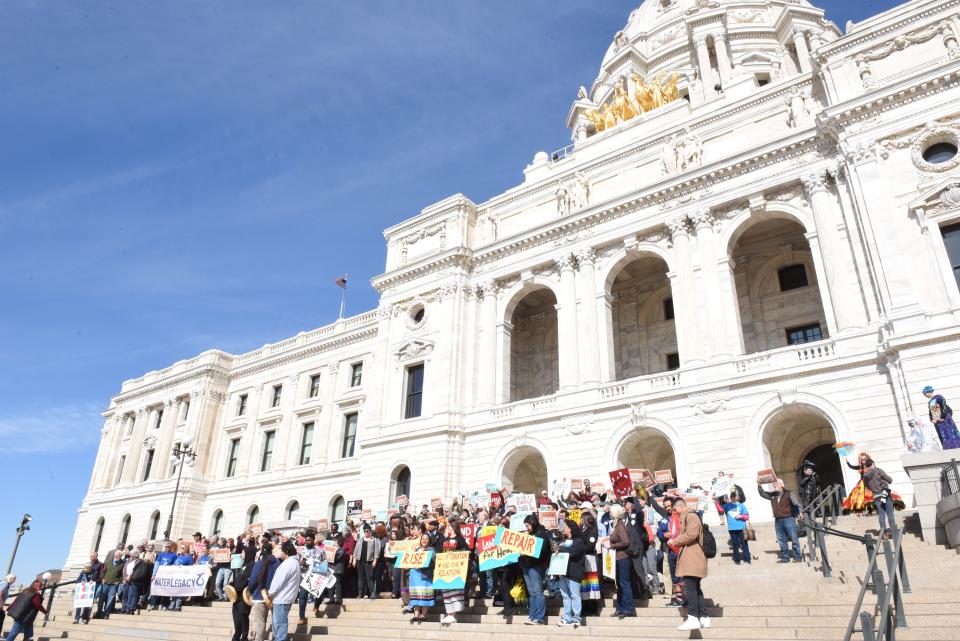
737, 278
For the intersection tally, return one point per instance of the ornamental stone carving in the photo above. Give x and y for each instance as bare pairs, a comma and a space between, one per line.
415, 348
950, 197
815, 182
677, 226
563, 201
565, 262
683, 152
702, 218
746, 16
798, 109
579, 192
586, 256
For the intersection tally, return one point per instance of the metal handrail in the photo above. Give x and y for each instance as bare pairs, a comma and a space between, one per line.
888, 590
949, 479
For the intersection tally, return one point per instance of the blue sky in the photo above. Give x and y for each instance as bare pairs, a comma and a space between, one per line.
178, 176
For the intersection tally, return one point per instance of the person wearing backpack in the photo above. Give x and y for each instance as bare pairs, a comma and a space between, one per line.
24, 611
696, 546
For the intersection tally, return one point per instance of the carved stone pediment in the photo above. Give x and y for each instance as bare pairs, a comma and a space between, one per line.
415, 348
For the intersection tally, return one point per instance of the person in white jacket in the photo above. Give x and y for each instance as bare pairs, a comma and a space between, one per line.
284, 589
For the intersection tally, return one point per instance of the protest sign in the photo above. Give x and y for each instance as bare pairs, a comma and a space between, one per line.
323, 525
523, 502
469, 533
436, 502
450, 571
329, 550
366, 514
83, 594
621, 482
354, 508
575, 514
610, 563
316, 582
516, 521
490, 556
548, 519
496, 501
558, 564
407, 545
180, 580
256, 529
722, 485
576, 485
663, 476
492, 487
236, 561
766, 476
381, 516
220, 555
415, 559
519, 542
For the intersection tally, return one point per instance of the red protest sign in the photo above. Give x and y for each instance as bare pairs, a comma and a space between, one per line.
469, 532
496, 501
548, 519
663, 476
621, 482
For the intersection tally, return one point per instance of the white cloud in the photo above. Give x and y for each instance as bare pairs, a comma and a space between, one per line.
54, 429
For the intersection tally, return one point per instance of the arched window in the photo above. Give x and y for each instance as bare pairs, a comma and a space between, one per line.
400, 483
98, 534
338, 509
124, 531
154, 525
293, 510
253, 515
217, 526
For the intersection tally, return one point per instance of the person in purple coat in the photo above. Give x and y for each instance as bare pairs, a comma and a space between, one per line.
942, 418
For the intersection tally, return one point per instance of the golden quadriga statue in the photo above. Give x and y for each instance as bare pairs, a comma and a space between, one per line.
646, 97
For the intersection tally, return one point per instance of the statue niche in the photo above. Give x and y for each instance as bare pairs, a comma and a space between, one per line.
626, 105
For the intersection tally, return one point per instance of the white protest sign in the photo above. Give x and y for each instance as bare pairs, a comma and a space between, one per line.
180, 580
83, 594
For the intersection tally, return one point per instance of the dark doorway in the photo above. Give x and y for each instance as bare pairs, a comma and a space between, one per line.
828, 465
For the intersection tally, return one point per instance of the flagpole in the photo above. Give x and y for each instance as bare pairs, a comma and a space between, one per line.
343, 296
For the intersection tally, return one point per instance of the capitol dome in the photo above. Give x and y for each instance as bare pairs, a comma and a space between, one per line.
709, 47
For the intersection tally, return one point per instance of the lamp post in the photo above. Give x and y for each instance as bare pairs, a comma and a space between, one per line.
24, 526
181, 452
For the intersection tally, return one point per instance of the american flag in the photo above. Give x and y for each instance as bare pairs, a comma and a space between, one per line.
341, 282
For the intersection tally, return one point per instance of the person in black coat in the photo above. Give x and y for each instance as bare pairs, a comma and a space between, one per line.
240, 609
809, 484
340, 561
574, 546
534, 569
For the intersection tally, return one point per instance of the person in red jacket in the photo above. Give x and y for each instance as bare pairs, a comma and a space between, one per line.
24, 611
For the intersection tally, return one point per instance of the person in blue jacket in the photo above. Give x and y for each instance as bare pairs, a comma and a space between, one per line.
167, 557
737, 516
260, 579
183, 558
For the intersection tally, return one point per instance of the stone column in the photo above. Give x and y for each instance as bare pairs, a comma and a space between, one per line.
717, 307
723, 56
162, 463
488, 344
684, 300
587, 287
834, 277
567, 324
816, 38
608, 363
803, 52
703, 63
132, 464
504, 332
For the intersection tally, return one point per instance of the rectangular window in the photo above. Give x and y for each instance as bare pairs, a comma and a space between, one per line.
315, 386
804, 334
673, 361
792, 277
414, 398
186, 410
130, 421
349, 435
156, 425
242, 405
266, 459
306, 443
233, 458
356, 374
951, 240
123, 459
277, 392
668, 309
147, 465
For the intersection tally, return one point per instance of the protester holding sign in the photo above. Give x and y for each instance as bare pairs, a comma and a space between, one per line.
452, 541
183, 558
339, 564
573, 546
83, 597
786, 509
619, 541
310, 553
737, 515
421, 585
534, 569
691, 565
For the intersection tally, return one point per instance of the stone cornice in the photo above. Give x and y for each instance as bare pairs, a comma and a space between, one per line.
457, 256
309, 350
868, 35
161, 384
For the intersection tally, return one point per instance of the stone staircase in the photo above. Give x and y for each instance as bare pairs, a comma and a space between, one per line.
763, 601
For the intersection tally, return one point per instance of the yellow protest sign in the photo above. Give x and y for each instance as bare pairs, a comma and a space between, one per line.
417, 559
450, 571
575, 514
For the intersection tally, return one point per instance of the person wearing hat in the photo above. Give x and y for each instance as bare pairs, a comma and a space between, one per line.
256, 591
83, 614
284, 588
942, 418
809, 483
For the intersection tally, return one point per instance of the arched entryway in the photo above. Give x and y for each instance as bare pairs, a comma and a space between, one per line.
642, 318
649, 449
778, 292
795, 433
534, 347
525, 470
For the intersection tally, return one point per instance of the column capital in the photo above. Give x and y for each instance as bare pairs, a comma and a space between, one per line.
815, 181
702, 218
678, 225
565, 262
719, 37
489, 288
586, 256
700, 40
799, 30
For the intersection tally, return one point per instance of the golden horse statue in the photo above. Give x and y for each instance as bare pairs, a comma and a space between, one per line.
643, 93
623, 106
